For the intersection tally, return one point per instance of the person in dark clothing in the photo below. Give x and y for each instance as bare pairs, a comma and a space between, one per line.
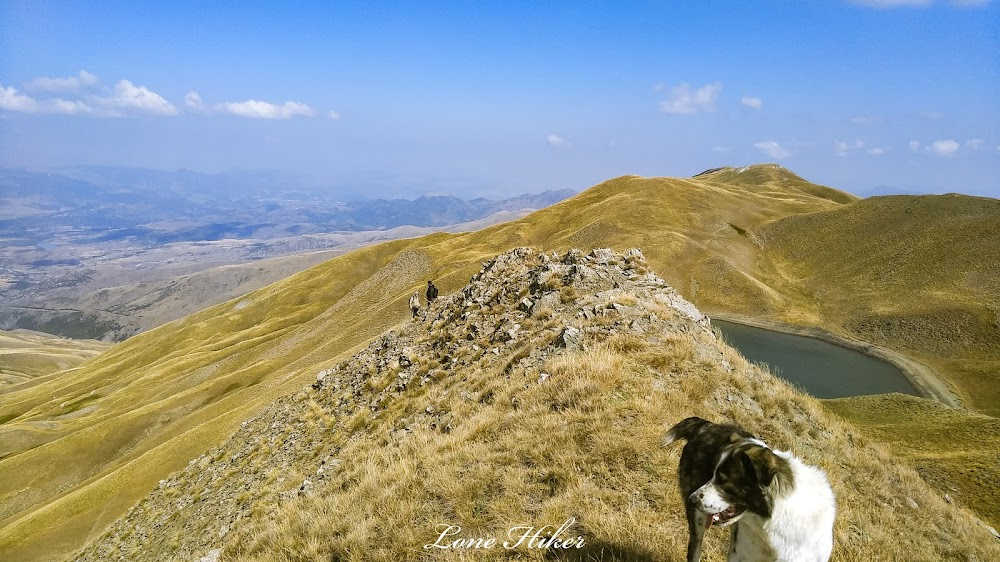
432, 292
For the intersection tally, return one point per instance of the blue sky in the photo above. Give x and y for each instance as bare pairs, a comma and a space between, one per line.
496, 98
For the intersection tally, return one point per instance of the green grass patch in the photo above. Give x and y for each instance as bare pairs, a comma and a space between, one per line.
955, 450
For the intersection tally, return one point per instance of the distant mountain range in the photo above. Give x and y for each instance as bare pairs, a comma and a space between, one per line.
104, 204
105, 252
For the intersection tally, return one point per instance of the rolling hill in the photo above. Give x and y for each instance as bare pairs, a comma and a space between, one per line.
28, 357
536, 395
161, 399
919, 274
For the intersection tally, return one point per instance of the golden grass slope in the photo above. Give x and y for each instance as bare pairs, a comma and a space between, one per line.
919, 274
955, 450
164, 397
491, 433
26, 356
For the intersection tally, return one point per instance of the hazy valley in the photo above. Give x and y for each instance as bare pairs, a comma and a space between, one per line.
105, 253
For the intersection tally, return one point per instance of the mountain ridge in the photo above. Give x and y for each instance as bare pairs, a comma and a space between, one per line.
170, 394
534, 351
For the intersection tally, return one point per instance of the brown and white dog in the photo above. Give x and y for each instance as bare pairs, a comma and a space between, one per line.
780, 509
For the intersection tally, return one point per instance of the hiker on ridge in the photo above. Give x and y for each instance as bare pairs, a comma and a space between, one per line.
415, 303
432, 293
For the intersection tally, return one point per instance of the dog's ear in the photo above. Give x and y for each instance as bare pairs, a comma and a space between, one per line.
761, 462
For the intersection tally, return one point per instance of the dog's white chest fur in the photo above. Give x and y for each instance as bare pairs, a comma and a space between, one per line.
800, 527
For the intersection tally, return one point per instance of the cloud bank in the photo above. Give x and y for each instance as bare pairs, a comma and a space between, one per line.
71, 84
683, 101
264, 110
556, 141
944, 147
124, 99
83, 94
772, 149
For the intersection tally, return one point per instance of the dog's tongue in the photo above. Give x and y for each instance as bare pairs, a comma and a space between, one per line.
712, 518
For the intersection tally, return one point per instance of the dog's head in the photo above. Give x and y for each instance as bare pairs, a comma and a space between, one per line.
747, 479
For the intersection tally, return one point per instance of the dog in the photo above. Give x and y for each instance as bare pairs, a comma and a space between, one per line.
778, 508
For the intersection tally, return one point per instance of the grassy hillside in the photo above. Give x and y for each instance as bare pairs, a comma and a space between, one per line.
163, 398
955, 450
490, 414
920, 274
27, 357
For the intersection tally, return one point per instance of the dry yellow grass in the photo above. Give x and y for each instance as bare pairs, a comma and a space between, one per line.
955, 450
367, 465
918, 274
168, 395
517, 450
27, 357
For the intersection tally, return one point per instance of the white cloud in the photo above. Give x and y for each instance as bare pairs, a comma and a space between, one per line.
128, 98
944, 147
722, 149
753, 103
124, 99
683, 101
69, 107
193, 101
333, 115
557, 141
772, 149
264, 110
975, 144
932, 115
72, 84
914, 145
253, 108
876, 151
841, 148
11, 100
969, 3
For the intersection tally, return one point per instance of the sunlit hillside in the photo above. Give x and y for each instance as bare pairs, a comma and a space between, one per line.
163, 398
27, 357
166, 396
538, 395
920, 274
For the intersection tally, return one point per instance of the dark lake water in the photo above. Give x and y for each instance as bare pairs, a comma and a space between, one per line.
822, 369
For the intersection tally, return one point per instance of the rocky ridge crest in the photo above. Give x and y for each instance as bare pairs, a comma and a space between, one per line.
522, 308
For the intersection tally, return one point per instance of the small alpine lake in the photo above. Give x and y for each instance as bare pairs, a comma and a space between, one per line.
822, 369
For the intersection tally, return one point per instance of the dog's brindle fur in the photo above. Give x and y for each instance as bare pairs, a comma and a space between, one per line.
742, 465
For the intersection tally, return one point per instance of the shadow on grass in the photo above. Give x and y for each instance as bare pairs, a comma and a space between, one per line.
601, 551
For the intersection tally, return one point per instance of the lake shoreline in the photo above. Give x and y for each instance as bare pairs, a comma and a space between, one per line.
923, 378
